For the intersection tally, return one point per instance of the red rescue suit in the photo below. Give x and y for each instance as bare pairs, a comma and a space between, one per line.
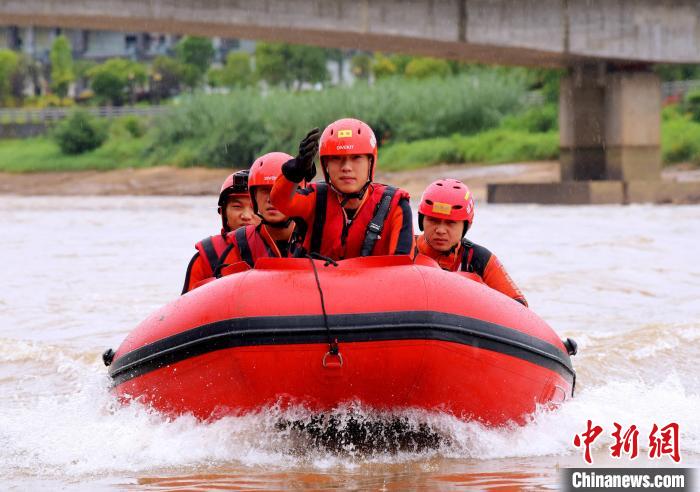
381, 225
470, 257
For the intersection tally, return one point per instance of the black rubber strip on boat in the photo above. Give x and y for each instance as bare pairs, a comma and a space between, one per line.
365, 327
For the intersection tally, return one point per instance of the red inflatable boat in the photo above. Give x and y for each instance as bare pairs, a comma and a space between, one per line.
384, 331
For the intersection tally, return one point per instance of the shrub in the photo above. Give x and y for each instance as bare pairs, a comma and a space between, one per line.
218, 131
79, 133
670, 112
421, 68
691, 104
221, 130
49, 101
382, 66
536, 119
360, 65
680, 141
130, 125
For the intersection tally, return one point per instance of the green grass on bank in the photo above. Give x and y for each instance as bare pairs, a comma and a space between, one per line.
42, 154
492, 147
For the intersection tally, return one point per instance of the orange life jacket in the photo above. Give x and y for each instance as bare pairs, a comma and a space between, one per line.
473, 258
331, 234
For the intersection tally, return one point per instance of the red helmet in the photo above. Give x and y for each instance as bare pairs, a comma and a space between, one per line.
447, 199
235, 184
264, 172
348, 136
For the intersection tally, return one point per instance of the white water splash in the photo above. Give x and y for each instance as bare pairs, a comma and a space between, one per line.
85, 433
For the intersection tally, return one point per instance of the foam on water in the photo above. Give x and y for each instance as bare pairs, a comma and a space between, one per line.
82, 431
622, 281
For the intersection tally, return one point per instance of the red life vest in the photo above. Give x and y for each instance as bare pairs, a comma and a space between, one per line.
251, 244
210, 249
333, 236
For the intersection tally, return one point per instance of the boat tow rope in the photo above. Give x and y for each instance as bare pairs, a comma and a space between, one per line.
333, 348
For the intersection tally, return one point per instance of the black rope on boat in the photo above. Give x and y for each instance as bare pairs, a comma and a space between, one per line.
328, 260
332, 342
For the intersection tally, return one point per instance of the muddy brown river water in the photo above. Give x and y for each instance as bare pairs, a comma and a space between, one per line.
80, 272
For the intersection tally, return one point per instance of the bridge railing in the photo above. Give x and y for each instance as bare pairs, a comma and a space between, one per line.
48, 115
678, 87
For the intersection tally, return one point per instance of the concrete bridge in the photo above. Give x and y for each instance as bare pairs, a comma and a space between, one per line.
610, 100
539, 32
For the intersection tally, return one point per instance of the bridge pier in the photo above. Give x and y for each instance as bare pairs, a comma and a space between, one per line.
610, 142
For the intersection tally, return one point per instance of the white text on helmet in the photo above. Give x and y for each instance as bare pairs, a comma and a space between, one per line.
344, 147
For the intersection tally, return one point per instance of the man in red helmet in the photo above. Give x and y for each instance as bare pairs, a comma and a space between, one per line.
348, 215
445, 213
235, 210
271, 237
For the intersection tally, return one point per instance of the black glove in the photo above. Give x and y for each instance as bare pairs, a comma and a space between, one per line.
302, 167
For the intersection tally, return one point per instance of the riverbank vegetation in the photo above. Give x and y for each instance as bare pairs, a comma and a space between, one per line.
424, 111
191, 136
230, 130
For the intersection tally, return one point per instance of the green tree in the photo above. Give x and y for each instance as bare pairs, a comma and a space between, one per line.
691, 104
421, 68
237, 72
116, 78
271, 65
669, 73
191, 76
26, 70
382, 66
360, 65
9, 60
61, 66
338, 56
167, 74
215, 77
307, 64
196, 55
285, 64
546, 80
81, 69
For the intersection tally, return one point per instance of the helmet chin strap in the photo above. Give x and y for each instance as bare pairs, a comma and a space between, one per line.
275, 225
225, 229
349, 196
